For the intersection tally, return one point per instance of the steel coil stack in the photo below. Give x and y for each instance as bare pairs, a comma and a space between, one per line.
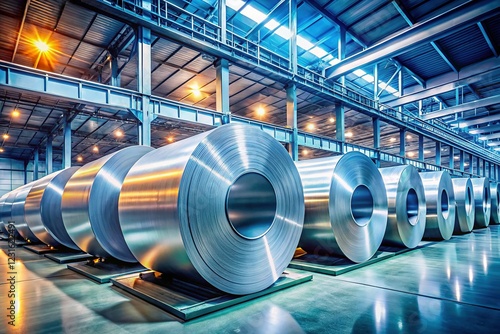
224, 207
465, 208
346, 206
482, 201
440, 201
43, 209
406, 206
90, 204
17, 213
495, 203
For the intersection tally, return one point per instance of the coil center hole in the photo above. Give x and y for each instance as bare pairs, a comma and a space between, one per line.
251, 205
362, 205
412, 206
444, 204
468, 201
486, 200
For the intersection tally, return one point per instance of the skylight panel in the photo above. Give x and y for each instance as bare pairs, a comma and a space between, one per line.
318, 52
235, 4
253, 14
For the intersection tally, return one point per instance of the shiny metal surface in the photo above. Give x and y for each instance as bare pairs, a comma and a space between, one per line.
406, 206
188, 209
482, 201
90, 204
17, 212
495, 202
346, 206
440, 201
43, 209
6, 211
465, 208
3, 229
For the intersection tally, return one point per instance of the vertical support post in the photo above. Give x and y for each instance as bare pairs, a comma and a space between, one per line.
400, 90
375, 84
484, 167
66, 141
402, 143
420, 107
115, 76
25, 172
341, 50
48, 155
421, 148
462, 161
292, 25
221, 11
144, 83
291, 119
471, 163
457, 96
376, 138
451, 162
478, 170
36, 156
438, 153
222, 89
340, 125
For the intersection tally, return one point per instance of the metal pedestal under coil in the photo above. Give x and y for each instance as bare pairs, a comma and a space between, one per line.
482, 201
440, 201
465, 208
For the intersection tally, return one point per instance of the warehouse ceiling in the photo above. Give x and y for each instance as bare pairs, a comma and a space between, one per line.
81, 43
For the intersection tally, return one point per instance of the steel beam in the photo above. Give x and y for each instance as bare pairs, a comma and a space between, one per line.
66, 141
490, 136
18, 39
222, 19
36, 159
48, 155
451, 161
425, 32
463, 123
488, 39
402, 143
259, 26
340, 124
484, 70
222, 89
438, 153
144, 84
291, 119
486, 129
292, 25
488, 101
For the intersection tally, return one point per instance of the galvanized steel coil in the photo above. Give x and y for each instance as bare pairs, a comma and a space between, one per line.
224, 207
346, 206
482, 201
495, 203
406, 206
3, 228
43, 209
465, 208
440, 201
17, 213
90, 204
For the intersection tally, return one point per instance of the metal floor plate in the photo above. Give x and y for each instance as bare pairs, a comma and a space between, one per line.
103, 272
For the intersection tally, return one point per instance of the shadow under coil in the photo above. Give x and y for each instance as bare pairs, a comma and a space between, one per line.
465, 208
43, 209
482, 201
224, 207
90, 204
440, 201
346, 206
495, 203
406, 206
18, 213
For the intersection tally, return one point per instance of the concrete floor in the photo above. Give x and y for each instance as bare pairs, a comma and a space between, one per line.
450, 286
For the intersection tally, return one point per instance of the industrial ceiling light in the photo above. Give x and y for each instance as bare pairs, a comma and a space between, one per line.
170, 139
79, 158
260, 111
410, 154
15, 113
456, 157
310, 127
118, 133
42, 46
348, 134
408, 137
305, 152
196, 91
427, 151
392, 139
95, 149
1, 150
5, 136
332, 120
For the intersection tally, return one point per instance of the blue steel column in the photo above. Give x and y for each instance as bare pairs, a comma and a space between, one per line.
292, 24
421, 148
484, 167
471, 163
341, 50
115, 76
438, 153
402, 143
462, 161
340, 125
375, 84
400, 90
376, 138
221, 11
35, 164
451, 163
48, 155
222, 89
144, 84
291, 120
66, 142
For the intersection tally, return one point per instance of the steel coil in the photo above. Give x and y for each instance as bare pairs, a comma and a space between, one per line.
346, 206
482, 201
495, 203
90, 204
6, 212
17, 213
43, 209
440, 201
3, 228
224, 207
465, 209
406, 206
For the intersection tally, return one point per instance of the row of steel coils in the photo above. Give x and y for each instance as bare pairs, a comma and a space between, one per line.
228, 207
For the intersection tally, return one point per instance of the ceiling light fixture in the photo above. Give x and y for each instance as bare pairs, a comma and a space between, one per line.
260, 111
5, 136
392, 139
95, 149
332, 120
2, 150
170, 139
349, 134
16, 113
310, 127
79, 158
118, 133
42, 46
